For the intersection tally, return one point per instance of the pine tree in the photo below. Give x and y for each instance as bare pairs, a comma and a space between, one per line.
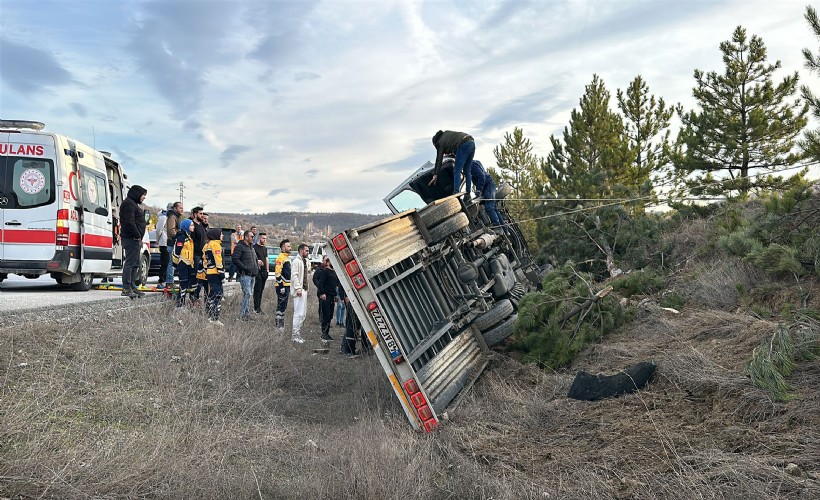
811, 141
745, 121
592, 162
646, 125
519, 166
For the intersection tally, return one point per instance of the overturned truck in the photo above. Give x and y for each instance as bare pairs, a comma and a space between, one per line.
434, 287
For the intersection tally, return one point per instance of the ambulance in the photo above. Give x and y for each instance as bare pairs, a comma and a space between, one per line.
59, 208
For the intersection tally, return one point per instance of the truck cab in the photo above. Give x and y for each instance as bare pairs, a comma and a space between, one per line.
435, 286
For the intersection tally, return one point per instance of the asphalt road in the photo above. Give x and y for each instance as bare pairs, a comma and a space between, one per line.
22, 294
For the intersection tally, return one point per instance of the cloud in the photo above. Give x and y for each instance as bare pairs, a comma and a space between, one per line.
306, 75
535, 107
274, 192
301, 204
176, 43
231, 153
312, 172
79, 109
125, 158
282, 24
28, 69
407, 164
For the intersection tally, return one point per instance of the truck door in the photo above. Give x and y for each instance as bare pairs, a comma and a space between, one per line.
27, 195
97, 241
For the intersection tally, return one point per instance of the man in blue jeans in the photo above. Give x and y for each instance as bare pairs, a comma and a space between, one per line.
244, 258
172, 223
484, 185
463, 146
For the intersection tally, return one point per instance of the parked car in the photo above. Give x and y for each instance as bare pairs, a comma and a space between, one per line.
153, 252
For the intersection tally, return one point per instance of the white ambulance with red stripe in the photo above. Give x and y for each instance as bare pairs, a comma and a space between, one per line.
59, 207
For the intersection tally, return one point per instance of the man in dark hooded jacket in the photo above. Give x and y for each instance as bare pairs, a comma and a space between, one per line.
463, 146
132, 222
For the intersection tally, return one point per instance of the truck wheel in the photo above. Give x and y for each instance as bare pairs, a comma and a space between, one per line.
84, 285
3, 276
501, 332
499, 311
142, 277
430, 216
455, 223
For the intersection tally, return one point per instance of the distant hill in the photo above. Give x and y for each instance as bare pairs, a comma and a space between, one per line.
319, 221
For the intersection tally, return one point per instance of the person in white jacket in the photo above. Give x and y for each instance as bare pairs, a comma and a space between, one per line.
299, 292
161, 237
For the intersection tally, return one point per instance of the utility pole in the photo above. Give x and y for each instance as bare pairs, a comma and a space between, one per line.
181, 192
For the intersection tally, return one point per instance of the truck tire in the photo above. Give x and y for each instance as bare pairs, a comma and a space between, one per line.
501, 332
455, 223
3, 276
430, 216
145, 263
85, 283
500, 310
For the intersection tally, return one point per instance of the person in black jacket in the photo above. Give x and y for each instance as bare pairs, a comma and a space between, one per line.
200, 237
244, 258
132, 222
328, 283
262, 277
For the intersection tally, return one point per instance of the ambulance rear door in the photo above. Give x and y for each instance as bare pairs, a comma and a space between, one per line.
28, 199
96, 218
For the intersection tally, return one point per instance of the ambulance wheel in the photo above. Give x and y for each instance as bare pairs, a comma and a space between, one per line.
455, 223
84, 285
142, 278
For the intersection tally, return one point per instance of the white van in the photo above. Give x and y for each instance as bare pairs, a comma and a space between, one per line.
59, 207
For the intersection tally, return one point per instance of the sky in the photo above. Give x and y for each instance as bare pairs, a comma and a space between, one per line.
311, 105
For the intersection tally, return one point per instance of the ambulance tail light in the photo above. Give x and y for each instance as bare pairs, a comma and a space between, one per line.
62, 227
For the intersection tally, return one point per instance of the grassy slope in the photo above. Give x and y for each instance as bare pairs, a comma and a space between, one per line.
135, 405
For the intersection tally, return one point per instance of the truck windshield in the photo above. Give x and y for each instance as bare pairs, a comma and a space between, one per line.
26, 182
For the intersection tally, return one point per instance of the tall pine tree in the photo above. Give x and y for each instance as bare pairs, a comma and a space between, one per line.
646, 125
745, 122
520, 167
811, 140
592, 162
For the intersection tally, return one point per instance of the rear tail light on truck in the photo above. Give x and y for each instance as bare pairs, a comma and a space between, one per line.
339, 242
352, 268
62, 227
420, 402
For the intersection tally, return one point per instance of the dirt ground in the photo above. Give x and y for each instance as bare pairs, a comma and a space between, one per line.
150, 403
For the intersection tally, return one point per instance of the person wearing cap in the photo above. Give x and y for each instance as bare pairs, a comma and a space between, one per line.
215, 274
463, 146
174, 213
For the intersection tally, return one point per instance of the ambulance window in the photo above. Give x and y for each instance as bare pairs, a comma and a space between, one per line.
101, 192
95, 190
32, 182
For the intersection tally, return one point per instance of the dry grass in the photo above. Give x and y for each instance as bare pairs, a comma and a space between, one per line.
136, 406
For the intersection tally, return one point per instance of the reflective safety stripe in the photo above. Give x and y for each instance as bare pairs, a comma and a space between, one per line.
32, 236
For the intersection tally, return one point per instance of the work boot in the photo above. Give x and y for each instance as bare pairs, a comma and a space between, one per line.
129, 293
140, 294
326, 337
